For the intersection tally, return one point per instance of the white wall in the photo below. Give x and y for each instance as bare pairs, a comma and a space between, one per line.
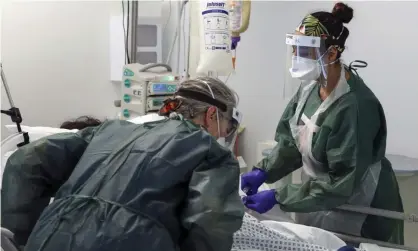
172, 18
56, 59
378, 35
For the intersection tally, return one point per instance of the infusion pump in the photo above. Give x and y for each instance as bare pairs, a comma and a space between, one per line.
144, 92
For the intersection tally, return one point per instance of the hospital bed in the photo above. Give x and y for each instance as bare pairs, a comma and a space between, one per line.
406, 169
275, 216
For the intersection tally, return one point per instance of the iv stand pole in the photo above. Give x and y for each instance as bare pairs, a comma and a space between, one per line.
134, 27
13, 112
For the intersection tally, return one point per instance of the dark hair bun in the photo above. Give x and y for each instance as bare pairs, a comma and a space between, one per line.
343, 12
80, 123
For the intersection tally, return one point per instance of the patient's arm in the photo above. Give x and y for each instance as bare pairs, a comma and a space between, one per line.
33, 174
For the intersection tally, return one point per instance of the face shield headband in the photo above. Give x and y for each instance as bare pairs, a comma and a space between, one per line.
233, 115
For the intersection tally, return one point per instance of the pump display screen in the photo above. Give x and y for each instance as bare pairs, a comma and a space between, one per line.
168, 78
163, 88
157, 102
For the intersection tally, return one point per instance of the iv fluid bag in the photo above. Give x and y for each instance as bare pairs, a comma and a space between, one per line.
215, 39
239, 14
235, 15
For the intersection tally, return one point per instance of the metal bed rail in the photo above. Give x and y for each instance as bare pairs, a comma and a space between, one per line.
356, 239
413, 218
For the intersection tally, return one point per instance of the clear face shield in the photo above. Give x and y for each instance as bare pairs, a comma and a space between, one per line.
305, 61
234, 120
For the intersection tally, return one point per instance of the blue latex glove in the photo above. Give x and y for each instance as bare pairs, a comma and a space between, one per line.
347, 248
251, 181
261, 202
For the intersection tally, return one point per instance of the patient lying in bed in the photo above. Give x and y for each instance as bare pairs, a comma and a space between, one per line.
275, 236
276, 230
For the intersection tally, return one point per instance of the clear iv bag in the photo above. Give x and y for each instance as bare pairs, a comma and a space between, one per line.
215, 39
239, 13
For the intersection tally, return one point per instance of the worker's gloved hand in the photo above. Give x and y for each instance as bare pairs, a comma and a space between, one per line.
261, 202
346, 248
251, 181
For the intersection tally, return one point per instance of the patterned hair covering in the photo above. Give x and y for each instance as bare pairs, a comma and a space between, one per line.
328, 25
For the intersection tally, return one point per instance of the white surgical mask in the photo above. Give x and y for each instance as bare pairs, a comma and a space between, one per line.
221, 141
305, 68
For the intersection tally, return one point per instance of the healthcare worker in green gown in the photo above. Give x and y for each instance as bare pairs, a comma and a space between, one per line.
334, 128
165, 185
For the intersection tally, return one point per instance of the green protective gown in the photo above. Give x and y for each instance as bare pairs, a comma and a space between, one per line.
164, 185
349, 144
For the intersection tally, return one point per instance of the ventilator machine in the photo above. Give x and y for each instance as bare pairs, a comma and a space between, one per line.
144, 89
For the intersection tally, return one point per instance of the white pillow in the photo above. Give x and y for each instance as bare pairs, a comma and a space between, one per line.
39, 130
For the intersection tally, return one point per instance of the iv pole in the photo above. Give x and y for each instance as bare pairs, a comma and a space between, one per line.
13, 112
134, 27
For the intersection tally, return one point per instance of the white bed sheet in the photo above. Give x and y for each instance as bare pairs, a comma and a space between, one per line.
256, 235
307, 234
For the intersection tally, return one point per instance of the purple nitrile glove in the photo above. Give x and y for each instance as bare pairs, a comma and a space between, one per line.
261, 202
251, 181
347, 248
